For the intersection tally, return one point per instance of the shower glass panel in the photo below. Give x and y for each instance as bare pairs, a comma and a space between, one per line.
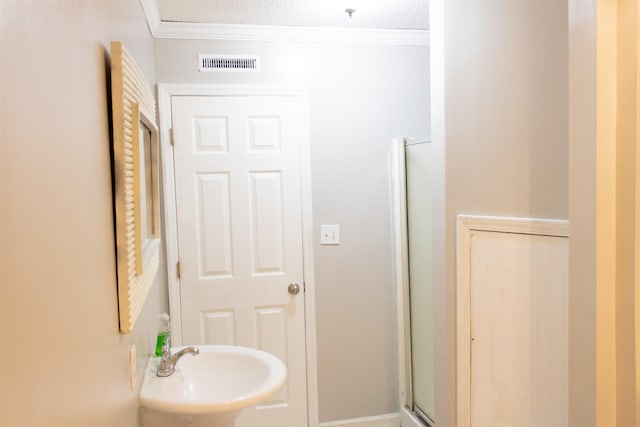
419, 232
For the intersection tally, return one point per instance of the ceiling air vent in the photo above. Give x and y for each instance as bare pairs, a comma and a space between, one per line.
228, 63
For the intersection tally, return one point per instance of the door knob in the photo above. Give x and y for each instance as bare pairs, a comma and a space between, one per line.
294, 288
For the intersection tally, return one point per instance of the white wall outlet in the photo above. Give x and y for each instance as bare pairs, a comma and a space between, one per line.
132, 367
329, 234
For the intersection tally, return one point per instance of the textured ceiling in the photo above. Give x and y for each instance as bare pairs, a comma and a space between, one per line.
383, 14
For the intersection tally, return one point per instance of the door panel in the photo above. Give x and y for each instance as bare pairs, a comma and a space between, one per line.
519, 330
239, 215
214, 249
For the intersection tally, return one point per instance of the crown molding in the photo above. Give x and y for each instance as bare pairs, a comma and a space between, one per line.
152, 14
263, 33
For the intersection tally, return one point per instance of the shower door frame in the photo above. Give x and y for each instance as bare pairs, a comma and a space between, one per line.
401, 279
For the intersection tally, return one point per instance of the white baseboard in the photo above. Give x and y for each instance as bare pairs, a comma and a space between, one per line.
387, 420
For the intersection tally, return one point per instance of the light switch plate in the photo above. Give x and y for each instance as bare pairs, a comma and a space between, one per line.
330, 234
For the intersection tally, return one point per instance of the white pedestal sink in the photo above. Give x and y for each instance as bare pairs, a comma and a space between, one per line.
210, 389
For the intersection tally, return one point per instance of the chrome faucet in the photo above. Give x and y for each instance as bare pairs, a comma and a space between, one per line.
168, 361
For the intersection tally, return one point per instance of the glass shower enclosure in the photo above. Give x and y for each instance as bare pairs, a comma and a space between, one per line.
413, 224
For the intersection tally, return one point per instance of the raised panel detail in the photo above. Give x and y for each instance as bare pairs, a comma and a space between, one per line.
271, 336
211, 134
264, 134
267, 237
215, 225
218, 327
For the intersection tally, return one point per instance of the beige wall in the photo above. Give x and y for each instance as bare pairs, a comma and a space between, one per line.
582, 216
500, 133
63, 361
360, 97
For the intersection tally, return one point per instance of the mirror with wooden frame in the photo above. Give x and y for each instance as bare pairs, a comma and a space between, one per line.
136, 185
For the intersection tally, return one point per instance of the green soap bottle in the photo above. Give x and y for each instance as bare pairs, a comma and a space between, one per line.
163, 333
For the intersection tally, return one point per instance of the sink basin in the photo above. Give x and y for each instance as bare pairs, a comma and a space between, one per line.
210, 388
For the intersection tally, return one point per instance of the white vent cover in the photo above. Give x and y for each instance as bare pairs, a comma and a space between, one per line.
228, 63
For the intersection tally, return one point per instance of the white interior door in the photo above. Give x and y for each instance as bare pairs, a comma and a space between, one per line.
239, 218
519, 330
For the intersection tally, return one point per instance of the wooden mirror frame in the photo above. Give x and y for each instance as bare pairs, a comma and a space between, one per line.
137, 238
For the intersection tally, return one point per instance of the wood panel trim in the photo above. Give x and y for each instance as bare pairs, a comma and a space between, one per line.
466, 224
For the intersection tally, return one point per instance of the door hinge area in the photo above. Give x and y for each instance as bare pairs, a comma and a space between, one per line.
178, 269
171, 137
